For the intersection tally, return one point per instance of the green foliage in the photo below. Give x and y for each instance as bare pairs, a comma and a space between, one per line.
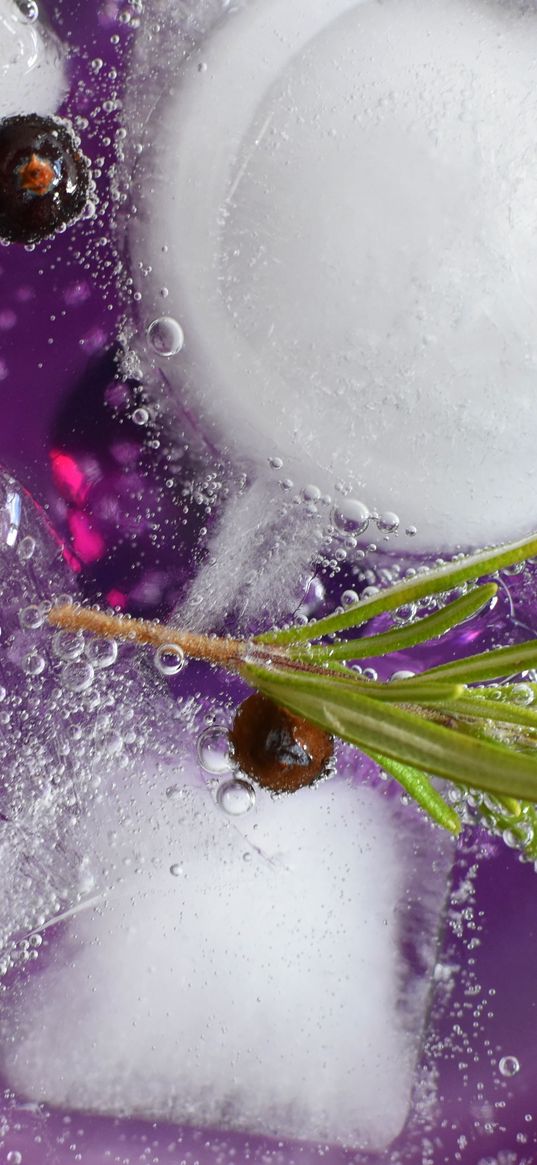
432, 725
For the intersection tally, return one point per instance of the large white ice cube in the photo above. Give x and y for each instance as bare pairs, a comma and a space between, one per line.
246, 973
339, 201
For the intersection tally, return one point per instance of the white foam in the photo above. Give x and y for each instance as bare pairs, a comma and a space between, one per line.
263, 988
350, 249
32, 76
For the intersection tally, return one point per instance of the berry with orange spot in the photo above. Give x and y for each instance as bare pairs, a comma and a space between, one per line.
44, 177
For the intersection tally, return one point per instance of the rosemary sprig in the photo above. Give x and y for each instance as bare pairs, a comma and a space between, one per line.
426, 726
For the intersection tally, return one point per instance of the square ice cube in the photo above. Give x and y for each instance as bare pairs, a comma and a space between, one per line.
267, 974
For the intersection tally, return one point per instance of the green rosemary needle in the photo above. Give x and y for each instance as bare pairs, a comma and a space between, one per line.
429, 725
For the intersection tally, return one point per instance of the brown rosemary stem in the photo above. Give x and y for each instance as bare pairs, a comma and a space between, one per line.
226, 652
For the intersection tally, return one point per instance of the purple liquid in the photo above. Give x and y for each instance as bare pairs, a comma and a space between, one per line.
69, 437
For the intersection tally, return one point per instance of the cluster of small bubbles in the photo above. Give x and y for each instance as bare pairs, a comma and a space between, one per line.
526, 832
388, 522
112, 743
176, 870
213, 750
351, 516
509, 1066
140, 416
31, 618
78, 675
236, 797
166, 336
33, 664
348, 598
68, 645
26, 548
101, 652
169, 659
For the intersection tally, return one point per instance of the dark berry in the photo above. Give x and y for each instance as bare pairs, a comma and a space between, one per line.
44, 178
280, 751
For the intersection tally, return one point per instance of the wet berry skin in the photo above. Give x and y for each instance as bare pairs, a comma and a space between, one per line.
280, 751
44, 178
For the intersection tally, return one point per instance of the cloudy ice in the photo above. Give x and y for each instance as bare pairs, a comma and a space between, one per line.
31, 65
345, 232
268, 972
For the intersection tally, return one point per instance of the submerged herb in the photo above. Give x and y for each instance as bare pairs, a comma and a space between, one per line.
443, 722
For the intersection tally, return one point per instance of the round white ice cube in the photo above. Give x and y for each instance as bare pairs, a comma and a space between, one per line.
342, 208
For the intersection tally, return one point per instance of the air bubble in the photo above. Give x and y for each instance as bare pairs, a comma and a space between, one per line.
30, 10
176, 870
101, 652
522, 695
169, 659
166, 336
33, 664
348, 598
405, 614
78, 675
509, 1066
213, 750
14, 1157
236, 797
140, 416
31, 618
369, 592
26, 548
351, 516
68, 645
388, 522
311, 493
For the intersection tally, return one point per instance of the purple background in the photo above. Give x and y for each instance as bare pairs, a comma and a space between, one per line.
67, 434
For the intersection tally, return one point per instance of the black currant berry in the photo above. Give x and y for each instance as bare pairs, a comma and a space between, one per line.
280, 751
44, 178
